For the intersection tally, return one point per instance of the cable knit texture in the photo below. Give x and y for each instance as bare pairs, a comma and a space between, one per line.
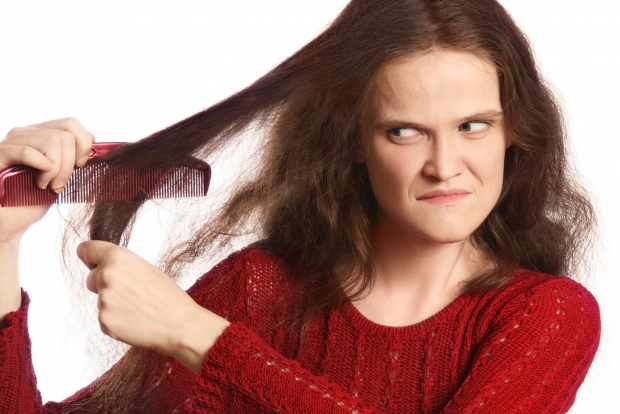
523, 347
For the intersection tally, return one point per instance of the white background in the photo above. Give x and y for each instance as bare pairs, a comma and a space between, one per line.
126, 69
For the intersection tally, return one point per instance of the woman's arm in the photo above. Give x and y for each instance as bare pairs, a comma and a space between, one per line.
54, 148
10, 296
533, 360
243, 362
141, 306
543, 342
18, 387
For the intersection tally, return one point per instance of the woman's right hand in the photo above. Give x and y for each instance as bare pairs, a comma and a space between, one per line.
53, 147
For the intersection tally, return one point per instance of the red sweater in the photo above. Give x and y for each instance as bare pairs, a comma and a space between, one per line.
525, 346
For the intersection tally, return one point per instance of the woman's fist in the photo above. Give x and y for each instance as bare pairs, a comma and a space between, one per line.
54, 148
141, 306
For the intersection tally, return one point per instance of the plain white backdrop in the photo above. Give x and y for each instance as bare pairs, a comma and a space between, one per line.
126, 69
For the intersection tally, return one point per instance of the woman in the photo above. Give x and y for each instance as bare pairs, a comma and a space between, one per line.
413, 207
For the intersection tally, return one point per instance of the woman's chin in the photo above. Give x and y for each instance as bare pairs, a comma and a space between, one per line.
445, 235
447, 238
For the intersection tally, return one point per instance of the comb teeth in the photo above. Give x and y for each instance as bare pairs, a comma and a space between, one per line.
15, 194
101, 183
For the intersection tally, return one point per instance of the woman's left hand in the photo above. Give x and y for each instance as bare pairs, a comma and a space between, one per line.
141, 306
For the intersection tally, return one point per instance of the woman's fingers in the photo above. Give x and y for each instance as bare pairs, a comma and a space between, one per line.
141, 306
74, 142
138, 304
82, 138
92, 252
64, 142
49, 142
66, 164
24, 155
53, 148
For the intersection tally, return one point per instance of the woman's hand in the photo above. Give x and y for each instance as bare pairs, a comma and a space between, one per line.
54, 148
141, 306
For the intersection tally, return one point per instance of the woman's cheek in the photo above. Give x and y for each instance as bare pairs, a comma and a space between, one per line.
393, 181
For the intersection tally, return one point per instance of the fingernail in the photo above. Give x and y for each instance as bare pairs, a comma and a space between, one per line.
82, 162
59, 189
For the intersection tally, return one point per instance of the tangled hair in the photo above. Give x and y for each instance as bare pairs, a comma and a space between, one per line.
312, 204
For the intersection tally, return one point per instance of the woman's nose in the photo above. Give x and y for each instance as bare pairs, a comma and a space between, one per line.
443, 161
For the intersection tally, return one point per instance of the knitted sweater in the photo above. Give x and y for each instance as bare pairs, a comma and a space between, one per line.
525, 346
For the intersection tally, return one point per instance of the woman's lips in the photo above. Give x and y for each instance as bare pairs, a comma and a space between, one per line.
444, 197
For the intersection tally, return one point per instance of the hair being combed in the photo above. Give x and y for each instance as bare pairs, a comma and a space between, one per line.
312, 204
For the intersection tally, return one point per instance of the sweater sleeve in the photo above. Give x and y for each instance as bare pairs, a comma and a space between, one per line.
18, 384
242, 367
241, 360
533, 359
220, 290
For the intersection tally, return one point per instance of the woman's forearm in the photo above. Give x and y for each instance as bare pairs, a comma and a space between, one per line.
10, 292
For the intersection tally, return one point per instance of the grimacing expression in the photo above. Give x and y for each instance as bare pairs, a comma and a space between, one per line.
435, 155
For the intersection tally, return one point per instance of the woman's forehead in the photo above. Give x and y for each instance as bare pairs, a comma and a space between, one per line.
437, 85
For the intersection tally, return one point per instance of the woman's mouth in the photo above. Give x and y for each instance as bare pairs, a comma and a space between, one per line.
444, 197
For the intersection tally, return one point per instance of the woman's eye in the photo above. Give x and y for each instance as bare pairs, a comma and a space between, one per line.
403, 132
473, 126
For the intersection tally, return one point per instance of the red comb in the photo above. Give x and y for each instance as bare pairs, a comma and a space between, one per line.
98, 181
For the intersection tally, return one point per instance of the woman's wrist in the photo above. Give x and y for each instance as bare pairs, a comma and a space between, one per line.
10, 291
200, 333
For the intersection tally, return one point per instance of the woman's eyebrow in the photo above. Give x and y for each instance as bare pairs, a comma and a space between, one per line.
490, 114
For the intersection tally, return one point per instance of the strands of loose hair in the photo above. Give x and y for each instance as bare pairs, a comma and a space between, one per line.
312, 204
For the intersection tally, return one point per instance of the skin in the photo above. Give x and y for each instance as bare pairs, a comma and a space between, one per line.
421, 248
439, 126
141, 306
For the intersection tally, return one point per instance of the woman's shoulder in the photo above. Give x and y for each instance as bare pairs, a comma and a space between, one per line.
544, 298
541, 286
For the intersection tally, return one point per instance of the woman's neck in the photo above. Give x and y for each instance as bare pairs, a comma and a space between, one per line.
402, 258
415, 277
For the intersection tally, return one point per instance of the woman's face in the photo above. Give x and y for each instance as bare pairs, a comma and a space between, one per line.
435, 155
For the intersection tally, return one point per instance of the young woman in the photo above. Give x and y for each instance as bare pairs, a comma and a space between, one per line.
414, 213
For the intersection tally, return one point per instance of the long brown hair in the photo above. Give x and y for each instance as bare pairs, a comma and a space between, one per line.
312, 204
